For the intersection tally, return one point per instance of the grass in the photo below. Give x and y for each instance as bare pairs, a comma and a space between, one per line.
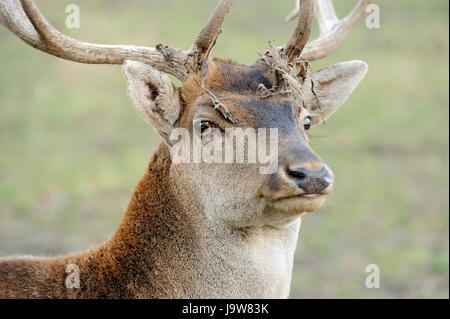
72, 148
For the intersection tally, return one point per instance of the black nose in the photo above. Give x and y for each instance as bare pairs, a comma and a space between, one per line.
312, 182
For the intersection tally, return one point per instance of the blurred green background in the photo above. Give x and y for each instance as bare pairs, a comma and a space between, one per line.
72, 147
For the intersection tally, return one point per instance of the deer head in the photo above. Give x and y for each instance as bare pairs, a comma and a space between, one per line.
278, 91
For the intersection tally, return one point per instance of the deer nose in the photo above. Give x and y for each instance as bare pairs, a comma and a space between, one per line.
311, 182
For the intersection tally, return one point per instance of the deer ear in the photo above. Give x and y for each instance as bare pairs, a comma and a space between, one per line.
333, 85
154, 96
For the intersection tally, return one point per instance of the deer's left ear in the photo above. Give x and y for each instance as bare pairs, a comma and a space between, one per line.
154, 96
333, 85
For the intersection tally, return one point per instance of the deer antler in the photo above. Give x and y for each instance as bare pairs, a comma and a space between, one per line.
294, 47
332, 30
207, 37
23, 18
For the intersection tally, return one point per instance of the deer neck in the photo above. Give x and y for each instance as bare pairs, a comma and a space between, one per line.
166, 247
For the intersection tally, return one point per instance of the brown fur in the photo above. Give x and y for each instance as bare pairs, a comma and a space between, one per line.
143, 259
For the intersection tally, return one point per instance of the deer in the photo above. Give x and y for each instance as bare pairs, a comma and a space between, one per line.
203, 230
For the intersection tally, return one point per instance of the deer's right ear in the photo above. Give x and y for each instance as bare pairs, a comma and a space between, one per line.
154, 96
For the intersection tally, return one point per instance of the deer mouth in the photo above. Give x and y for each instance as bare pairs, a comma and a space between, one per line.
304, 196
297, 204
310, 196
298, 196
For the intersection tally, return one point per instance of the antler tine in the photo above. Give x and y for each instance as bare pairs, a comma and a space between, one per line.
325, 15
208, 35
332, 30
13, 18
333, 34
294, 47
23, 18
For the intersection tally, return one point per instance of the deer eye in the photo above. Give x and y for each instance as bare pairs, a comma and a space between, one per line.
205, 128
307, 123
